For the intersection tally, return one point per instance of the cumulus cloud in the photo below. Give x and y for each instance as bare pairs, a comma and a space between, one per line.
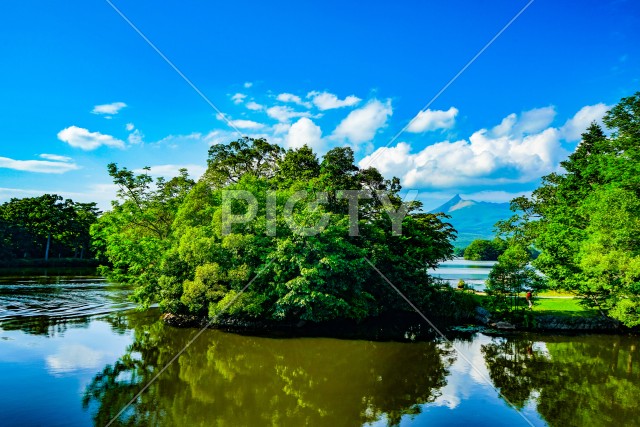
238, 98
289, 97
519, 151
84, 139
529, 122
280, 128
361, 125
329, 101
535, 120
171, 170
129, 127
428, 120
109, 109
251, 105
285, 114
52, 164
302, 132
247, 85
578, 124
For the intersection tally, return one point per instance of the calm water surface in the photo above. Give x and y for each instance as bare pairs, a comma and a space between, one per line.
474, 273
72, 352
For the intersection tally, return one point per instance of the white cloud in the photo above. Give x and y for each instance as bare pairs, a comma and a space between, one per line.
247, 85
529, 122
329, 101
285, 114
280, 128
170, 171
305, 131
54, 164
362, 124
238, 98
289, 97
432, 120
240, 123
535, 120
506, 125
55, 157
135, 137
578, 124
129, 127
493, 157
81, 138
246, 124
251, 105
109, 109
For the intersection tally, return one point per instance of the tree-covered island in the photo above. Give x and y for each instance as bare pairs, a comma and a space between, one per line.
170, 240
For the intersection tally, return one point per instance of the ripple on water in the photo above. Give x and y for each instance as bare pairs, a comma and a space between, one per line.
60, 297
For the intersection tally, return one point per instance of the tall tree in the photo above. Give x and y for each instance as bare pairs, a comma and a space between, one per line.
584, 220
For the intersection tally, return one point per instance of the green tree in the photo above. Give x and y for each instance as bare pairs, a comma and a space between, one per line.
510, 276
135, 234
33, 226
582, 220
485, 250
173, 249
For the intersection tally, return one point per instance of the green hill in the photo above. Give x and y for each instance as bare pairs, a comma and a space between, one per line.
472, 219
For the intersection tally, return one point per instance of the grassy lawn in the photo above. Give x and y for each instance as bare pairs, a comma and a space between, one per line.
556, 305
561, 306
555, 294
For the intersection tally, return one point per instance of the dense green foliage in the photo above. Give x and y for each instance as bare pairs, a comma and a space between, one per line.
485, 250
171, 240
34, 227
586, 221
510, 276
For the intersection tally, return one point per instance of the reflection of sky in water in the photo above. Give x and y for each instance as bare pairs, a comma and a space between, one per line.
52, 371
467, 399
78, 352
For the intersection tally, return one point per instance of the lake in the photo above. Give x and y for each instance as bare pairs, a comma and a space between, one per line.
474, 273
73, 352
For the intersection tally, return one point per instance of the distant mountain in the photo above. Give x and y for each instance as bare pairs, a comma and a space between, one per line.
473, 220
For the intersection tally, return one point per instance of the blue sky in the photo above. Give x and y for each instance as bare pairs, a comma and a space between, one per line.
80, 88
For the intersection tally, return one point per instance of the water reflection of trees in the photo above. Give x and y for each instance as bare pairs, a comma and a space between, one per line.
234, 380
588, 380
43, 325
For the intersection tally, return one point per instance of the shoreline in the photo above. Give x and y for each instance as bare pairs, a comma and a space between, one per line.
404, 327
